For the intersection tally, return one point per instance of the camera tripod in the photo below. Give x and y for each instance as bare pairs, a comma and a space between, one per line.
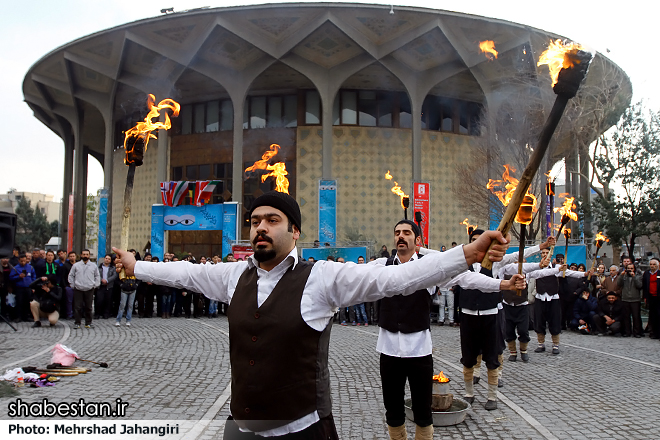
8, 323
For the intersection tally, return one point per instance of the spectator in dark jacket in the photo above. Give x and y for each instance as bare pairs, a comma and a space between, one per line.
51, 267
6, 287
23, 275
584, 310
15, 256
38, 263
651, 289
610, 311
630, 283
46, 300
570, 290
103, 298
67, 301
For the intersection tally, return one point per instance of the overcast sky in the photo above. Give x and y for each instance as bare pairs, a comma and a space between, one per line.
32, 157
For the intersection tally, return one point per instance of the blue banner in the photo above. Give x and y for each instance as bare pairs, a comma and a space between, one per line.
103, 224
222, 217
327, 211
229, 226
577, 253
348, 253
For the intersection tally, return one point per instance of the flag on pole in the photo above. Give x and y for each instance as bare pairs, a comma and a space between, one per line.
204, 190
178, 192
165, 193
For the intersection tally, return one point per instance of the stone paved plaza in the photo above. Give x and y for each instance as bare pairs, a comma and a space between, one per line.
178, 369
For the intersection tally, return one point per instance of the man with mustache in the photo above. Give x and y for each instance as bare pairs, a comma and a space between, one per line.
281, 315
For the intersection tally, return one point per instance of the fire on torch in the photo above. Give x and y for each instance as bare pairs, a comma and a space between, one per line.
568, 64
600, 240
135, 144
396, 189
567, 214
277, 170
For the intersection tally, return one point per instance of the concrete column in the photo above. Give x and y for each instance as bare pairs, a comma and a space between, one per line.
108, 174
327, 100
67, 188
416, 109
237, 165
78, 189
161, 168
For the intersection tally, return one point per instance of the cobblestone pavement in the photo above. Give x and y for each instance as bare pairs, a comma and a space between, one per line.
178, 369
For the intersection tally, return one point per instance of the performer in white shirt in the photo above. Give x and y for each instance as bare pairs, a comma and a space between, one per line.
281, 315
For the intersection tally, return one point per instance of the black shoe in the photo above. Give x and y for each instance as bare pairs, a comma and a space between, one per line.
89, 325
476, 379
513, 357
469, 400
490, 405
524, 357
555, 349
36, 324
638, 336
76, 327
540, 349
441, 323
625, 336
500, 384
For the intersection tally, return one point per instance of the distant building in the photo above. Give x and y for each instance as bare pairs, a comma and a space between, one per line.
42, 202
349, 91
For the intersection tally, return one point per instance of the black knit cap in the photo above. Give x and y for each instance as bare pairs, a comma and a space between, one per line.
281, 201
476, 232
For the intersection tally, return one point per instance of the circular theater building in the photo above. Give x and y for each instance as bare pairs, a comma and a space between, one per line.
349, 91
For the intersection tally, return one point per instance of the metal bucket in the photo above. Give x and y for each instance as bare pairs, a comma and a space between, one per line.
453, 416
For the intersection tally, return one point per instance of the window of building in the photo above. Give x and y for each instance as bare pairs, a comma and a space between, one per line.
198, 118
312, 107
186, 119
226, 115
177, 173
212, 116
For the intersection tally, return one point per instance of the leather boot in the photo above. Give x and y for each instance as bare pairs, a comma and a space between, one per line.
425, 433
397, 432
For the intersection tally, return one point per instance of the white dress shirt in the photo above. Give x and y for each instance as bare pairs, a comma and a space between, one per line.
330, 285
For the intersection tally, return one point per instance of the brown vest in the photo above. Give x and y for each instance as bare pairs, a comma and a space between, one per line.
279, 364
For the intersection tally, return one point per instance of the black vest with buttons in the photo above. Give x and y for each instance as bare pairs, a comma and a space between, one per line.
279, 364
405, 313
549, 285
473, 299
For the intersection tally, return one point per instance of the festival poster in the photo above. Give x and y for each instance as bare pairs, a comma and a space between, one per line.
328, 211
422, 204
69, 235
103, 219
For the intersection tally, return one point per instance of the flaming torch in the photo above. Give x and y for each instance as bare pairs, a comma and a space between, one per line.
396, 189
135, 145
600, 239
468, 227
567, 214
277, 170
568, 65
524, 217
567, 235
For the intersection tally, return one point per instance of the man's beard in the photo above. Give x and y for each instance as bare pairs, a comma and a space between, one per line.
262, 255
85, 259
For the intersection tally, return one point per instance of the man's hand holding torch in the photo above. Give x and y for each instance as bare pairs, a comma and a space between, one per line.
127, 259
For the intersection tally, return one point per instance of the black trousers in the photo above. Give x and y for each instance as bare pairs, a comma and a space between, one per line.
479, 334
102, 301
634, 309
547, 312
602, 326
566, 310
654, 315
81, 297
324, 429
517, 320
23, 295
394, 371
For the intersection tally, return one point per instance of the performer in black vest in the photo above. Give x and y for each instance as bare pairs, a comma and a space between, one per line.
404, 344
547, 307
281, 314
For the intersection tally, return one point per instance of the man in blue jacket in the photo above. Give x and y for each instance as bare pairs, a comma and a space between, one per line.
23, 275
584, 311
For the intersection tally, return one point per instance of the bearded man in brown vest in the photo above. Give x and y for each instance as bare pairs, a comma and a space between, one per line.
281, 315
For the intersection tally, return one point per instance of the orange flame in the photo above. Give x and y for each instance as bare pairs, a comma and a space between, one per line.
559, 56
278, 169
468, 226
567, 232
527, 209
440, 378
566, 210
488, 47
509, 184
143, 129
396, 189
600, 239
